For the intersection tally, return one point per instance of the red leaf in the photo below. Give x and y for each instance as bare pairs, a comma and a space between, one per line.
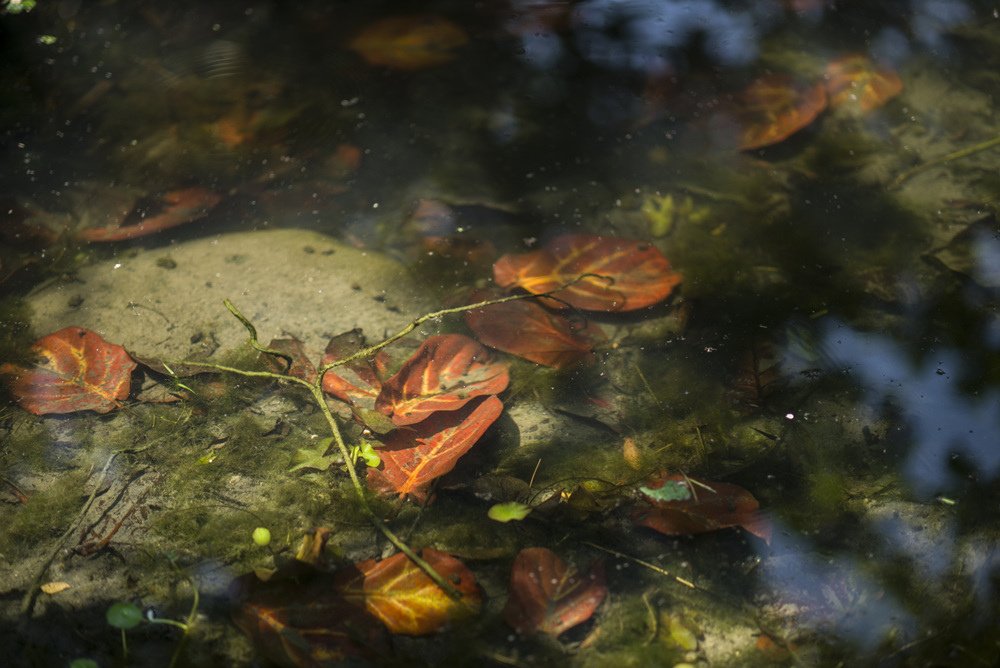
547, 595
409, 42
302, 367
445, 373
526, 329
406, 600
720, 506
855, 80
180, 206
412, 458
773, 108
76, 370
629, 274
357, 382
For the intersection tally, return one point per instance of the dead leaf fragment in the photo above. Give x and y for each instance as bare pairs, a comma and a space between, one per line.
409, 42
53, 588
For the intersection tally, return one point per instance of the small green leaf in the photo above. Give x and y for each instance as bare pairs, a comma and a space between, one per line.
123, 615
84, 663
365, 450
261, 536
505, 512
672, 490
314, 457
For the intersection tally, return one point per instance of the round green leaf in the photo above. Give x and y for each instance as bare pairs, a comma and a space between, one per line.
505, 512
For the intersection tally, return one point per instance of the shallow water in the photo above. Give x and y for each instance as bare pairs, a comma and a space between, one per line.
831, 351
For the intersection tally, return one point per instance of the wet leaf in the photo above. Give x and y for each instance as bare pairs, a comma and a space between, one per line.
315, 457
711, 506
413, 457
409, 42
301, 366
445, 373
855, 80
526, 329
629, 274
773, 108
357, 382
300, 618
506, 512
76, 370
177, 207
548, 596
406, 600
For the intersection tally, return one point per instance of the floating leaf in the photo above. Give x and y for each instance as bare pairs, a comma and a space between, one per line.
300, 618
526, 329
773, 108
178, 207
855, 80
671, 490
76, 370
409, 42
710, 507
445, 373
548, 596
628, 275
301, 366
357, 382
511, 510
406, 600
413, 457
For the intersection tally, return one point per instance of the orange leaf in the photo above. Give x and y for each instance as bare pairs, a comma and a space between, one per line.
854, 80
76, 370
180, 206
358, 382
720, 506
547, 595
629, 274
406, 600
445, 373
773, 108
526, 329
409, 42
412, 458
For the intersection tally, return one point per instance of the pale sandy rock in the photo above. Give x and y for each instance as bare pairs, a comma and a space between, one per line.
168, 302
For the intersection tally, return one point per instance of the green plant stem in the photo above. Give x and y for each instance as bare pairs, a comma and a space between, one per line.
954, 155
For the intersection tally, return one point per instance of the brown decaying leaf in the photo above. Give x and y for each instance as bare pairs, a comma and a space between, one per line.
409, 42
773, 108
526, 329
302, 367
76, 370
855, 80
413, 457
358, 382
299, 618
180, 206
406, 600
550, 597
445, 373
720, 506
629, 275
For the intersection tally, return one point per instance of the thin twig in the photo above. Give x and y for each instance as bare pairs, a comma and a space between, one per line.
645, 564
949, 157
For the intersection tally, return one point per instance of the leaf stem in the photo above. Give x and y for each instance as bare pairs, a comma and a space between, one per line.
954, 155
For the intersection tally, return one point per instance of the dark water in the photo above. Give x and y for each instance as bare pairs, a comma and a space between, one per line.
833, 348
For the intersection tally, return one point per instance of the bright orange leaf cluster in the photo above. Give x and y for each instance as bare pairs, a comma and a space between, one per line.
605, 274
75, 370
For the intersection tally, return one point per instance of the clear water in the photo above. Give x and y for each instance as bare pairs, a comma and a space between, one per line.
833, 347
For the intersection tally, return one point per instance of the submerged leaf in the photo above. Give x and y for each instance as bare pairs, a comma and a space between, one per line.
548, 596
773, 108
178, 207
413, 457
301, 366
526, 329
76, 370
357, 382
406, 600
626, 275
710, 506
445, 373
855, 80
409, 42
511, 510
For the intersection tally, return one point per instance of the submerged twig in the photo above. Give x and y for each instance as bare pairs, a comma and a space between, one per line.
949, 157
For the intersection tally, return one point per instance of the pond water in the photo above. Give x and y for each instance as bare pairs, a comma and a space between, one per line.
756, 420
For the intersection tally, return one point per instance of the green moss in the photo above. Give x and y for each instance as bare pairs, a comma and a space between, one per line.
45, 516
